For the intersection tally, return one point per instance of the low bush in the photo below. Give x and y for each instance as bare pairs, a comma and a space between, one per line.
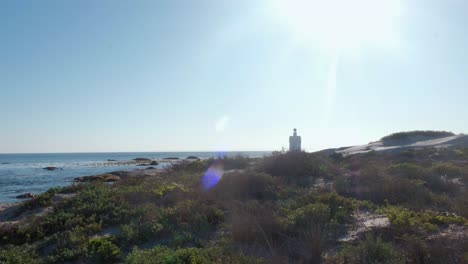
183, 223
411, 136
429, 220
255, 223
372, 250
42, 200
407, 170
246, 185
69, 245
439, 249
406, 184
447, 169
165, 255
297, 166
97, 203
103, 250
18, 255
191, 166
234, 163
329, 217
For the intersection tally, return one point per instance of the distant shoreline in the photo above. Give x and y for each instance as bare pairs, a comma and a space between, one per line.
133, 152
23, 173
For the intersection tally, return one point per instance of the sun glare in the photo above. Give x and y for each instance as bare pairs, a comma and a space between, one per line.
341, 24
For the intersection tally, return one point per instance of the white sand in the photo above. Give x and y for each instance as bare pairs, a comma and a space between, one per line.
365, 221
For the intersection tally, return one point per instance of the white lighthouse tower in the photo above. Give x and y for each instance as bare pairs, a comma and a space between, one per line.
295, 142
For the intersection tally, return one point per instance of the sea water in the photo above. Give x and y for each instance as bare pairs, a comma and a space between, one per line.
22, 173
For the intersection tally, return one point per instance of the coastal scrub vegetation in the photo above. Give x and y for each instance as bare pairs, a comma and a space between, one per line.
285, 208
417, 135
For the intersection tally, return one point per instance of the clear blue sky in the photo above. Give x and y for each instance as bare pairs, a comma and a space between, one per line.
83, 76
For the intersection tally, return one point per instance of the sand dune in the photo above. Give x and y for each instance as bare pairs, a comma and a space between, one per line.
451, 141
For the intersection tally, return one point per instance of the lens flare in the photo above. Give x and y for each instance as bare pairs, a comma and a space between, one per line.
212, 176
222, 123
343, 24
221, 154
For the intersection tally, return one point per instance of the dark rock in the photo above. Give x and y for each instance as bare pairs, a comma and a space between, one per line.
81, 179
51, 168
101, 177
171, 158
154, 163
142, 159
26, 195
110, 178
150, 168
193, 157
121, 174
111, 160
144, 164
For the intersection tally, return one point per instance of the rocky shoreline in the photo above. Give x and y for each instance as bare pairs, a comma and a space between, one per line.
113, 176
5, 206
14, 212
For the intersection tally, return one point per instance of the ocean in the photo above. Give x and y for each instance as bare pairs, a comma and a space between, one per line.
22, 173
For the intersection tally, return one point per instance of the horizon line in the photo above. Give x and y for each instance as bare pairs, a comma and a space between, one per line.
104, 152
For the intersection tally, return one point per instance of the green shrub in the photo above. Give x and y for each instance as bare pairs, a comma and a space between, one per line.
416, 249
461, 204
69, 245
407, 137
246, 185
42, 200
185, 222
133, 233
446, 169
312, 214
18, 255
236, 162
74, 188
332, 221
165, 255
405, 184
167, 188
253, 222
372, 250
297, 166
429, 220
103, 250
191, 166
341, 208
407, 170
400, 217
